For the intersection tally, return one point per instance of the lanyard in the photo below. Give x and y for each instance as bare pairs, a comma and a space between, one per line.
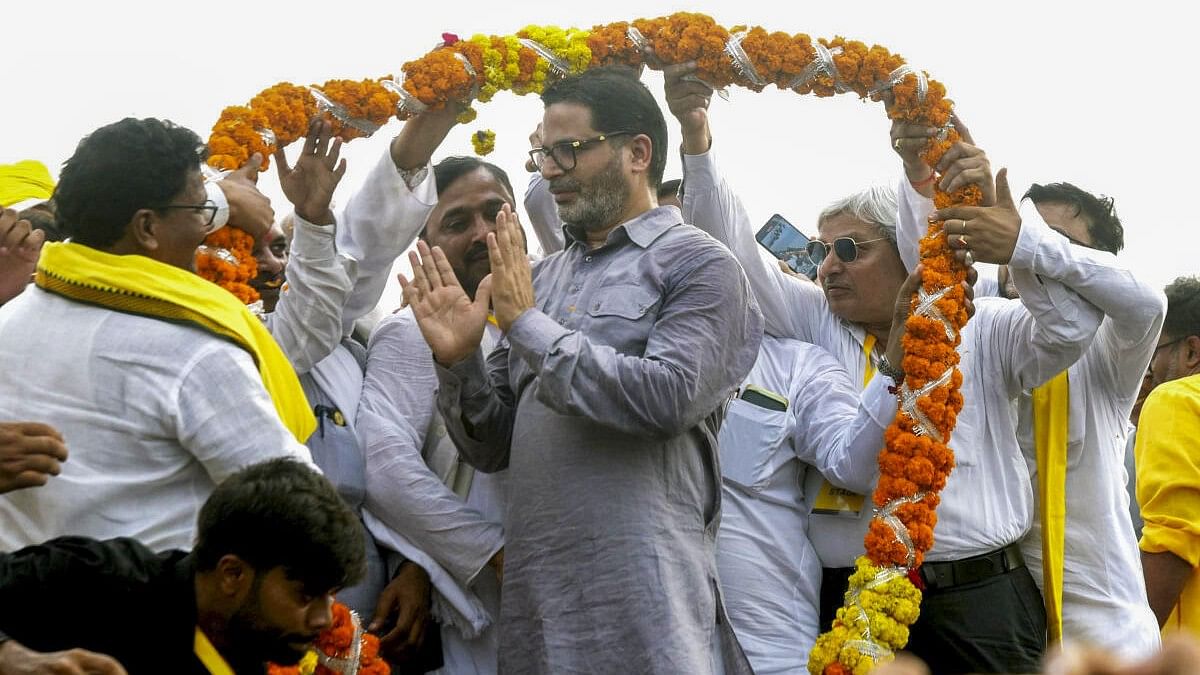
869, 371
209, 656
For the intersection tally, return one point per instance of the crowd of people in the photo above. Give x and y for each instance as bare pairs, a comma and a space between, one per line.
650, 448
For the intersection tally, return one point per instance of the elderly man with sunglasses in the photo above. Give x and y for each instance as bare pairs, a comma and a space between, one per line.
987, 505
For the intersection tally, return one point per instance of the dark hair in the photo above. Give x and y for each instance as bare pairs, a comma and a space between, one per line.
618, 101
447, 171
42, 217
1103, 223
670, 188
120, 168
281, 513
1183, 308
451, 169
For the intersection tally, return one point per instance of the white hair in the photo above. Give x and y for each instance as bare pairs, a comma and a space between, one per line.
876, 205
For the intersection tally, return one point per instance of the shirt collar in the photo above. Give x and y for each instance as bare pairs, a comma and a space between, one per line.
641, 230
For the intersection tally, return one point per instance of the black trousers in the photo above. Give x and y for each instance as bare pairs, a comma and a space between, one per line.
996, 625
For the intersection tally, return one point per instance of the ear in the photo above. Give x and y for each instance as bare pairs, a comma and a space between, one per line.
234, 576
1192, 355
641, 150
144, 228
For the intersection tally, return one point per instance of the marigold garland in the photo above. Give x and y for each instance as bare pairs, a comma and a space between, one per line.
336, 642
883, 601
227, 259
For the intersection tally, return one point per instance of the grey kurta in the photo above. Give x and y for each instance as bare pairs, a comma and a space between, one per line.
604, 403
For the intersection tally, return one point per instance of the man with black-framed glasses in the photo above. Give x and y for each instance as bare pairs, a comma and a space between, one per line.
603, 400
1168, 465
161, 383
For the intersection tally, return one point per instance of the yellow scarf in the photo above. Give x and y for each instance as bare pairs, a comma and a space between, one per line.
138, 285
27, 179
1051, 406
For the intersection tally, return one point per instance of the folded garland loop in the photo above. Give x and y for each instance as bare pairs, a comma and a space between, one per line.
741, 62
822, 64
341, 114
470, 70
637, 39
870, 649
897, 76
558, 65
888, 515
408, 104
926, 306
219, 253
922, 426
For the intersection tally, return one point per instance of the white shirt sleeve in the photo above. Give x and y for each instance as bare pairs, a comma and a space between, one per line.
790, 307
1134, 309
307, 321
225, 418
379, 222
838, 430
1034, 339
398, 402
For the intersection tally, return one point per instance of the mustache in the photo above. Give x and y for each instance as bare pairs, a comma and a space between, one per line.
477, 251
272, 281
564, 184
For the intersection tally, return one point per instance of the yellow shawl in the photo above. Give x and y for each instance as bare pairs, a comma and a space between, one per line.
138, 285
1051, 411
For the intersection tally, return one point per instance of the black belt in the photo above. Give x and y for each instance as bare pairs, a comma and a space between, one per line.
951, 573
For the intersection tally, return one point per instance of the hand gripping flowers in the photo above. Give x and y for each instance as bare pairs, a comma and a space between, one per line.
882, 601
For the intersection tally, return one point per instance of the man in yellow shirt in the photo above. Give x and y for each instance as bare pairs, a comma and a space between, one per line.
1168, 465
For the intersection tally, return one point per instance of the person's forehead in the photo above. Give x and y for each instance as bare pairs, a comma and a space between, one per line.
847, 225
566, 121
475, 189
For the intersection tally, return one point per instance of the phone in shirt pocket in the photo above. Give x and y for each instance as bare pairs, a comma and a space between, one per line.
763, 398
753, 437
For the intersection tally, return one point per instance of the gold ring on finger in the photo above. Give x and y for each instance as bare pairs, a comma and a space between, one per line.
969, 258
896, 145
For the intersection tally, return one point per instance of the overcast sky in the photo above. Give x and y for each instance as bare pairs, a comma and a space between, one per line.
1090, 93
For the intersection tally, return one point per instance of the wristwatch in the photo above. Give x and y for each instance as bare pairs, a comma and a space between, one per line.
886, 367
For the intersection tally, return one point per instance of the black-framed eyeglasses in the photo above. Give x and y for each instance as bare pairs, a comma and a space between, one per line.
209, 205
563, 152
845, 248
1164, 345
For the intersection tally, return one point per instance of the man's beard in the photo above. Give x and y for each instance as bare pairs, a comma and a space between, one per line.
599, 203
253, 641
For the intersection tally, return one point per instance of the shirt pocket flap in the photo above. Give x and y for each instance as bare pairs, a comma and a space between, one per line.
626, 301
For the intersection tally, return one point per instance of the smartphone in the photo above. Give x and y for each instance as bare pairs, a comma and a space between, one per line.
788, 244
764, 398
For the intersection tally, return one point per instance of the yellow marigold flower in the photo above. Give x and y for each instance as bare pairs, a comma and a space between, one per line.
484, 141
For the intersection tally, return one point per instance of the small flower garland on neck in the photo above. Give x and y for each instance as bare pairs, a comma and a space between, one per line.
883, 600
335, 652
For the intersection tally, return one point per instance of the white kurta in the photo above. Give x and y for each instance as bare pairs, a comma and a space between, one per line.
410, 459
1102, 570
769, 571
154, 415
